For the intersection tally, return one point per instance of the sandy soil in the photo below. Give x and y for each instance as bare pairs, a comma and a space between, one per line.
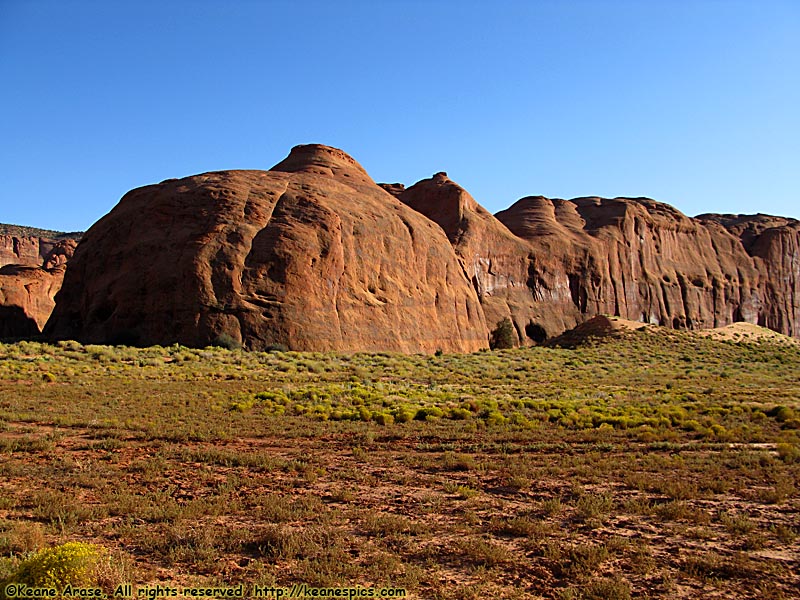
747, 332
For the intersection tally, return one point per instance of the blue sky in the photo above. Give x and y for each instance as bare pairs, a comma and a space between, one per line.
694, 103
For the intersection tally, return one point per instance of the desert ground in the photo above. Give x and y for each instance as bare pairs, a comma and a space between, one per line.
645, 464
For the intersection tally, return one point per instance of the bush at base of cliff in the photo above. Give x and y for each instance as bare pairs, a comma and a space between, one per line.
503, 337
226, 341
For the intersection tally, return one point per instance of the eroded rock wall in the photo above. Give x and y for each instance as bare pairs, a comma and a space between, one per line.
773, 243
568, 260
312, 255
31, 272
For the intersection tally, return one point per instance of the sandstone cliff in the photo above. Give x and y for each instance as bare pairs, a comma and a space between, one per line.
568, 260
312, 255
774, 245
496, 262
634, 258
31, 271
34, 247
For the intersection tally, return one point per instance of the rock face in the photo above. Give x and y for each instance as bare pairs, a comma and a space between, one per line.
312, 255
26, 299
35, 251
774, 245
569, 260
31, 272
496, 262
634, 258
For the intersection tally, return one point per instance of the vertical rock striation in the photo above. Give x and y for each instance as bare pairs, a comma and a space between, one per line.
773, 243
569, 260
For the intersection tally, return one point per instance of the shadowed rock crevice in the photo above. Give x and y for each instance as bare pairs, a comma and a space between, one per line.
15, 323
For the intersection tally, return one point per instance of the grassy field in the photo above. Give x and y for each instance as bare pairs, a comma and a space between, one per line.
655, 465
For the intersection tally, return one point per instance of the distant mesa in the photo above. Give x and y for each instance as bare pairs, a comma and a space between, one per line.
20, 231
314, 255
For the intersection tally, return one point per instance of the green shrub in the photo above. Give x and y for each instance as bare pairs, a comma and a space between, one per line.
458, 462
427, 413
460, 414
276, 348
224, 340
403, 414
383, 418
278, 397
243, 405
592, 506
20, 536
607, 589
782, 414
788, 453
493, 417
504, 336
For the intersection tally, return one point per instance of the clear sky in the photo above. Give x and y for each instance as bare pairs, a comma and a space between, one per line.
692, 102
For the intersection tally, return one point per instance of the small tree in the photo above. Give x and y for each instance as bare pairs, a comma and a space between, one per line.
504, 335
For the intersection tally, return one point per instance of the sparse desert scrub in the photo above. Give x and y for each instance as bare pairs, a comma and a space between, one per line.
536, 472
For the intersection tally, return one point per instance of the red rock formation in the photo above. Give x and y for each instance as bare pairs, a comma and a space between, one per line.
774, 245
17, 250
31, 271
395, 189
645, 261
27, 298
59, 253
315, 256
495, 261
312, 255
638, 259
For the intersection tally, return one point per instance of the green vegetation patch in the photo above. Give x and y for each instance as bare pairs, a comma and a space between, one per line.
596, 472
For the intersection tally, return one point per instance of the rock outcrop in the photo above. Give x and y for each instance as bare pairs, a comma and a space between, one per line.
774, 245
27, 299
312, 255
569, 260
31, 272
32, 246
496, 261
598, 327
634, 258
